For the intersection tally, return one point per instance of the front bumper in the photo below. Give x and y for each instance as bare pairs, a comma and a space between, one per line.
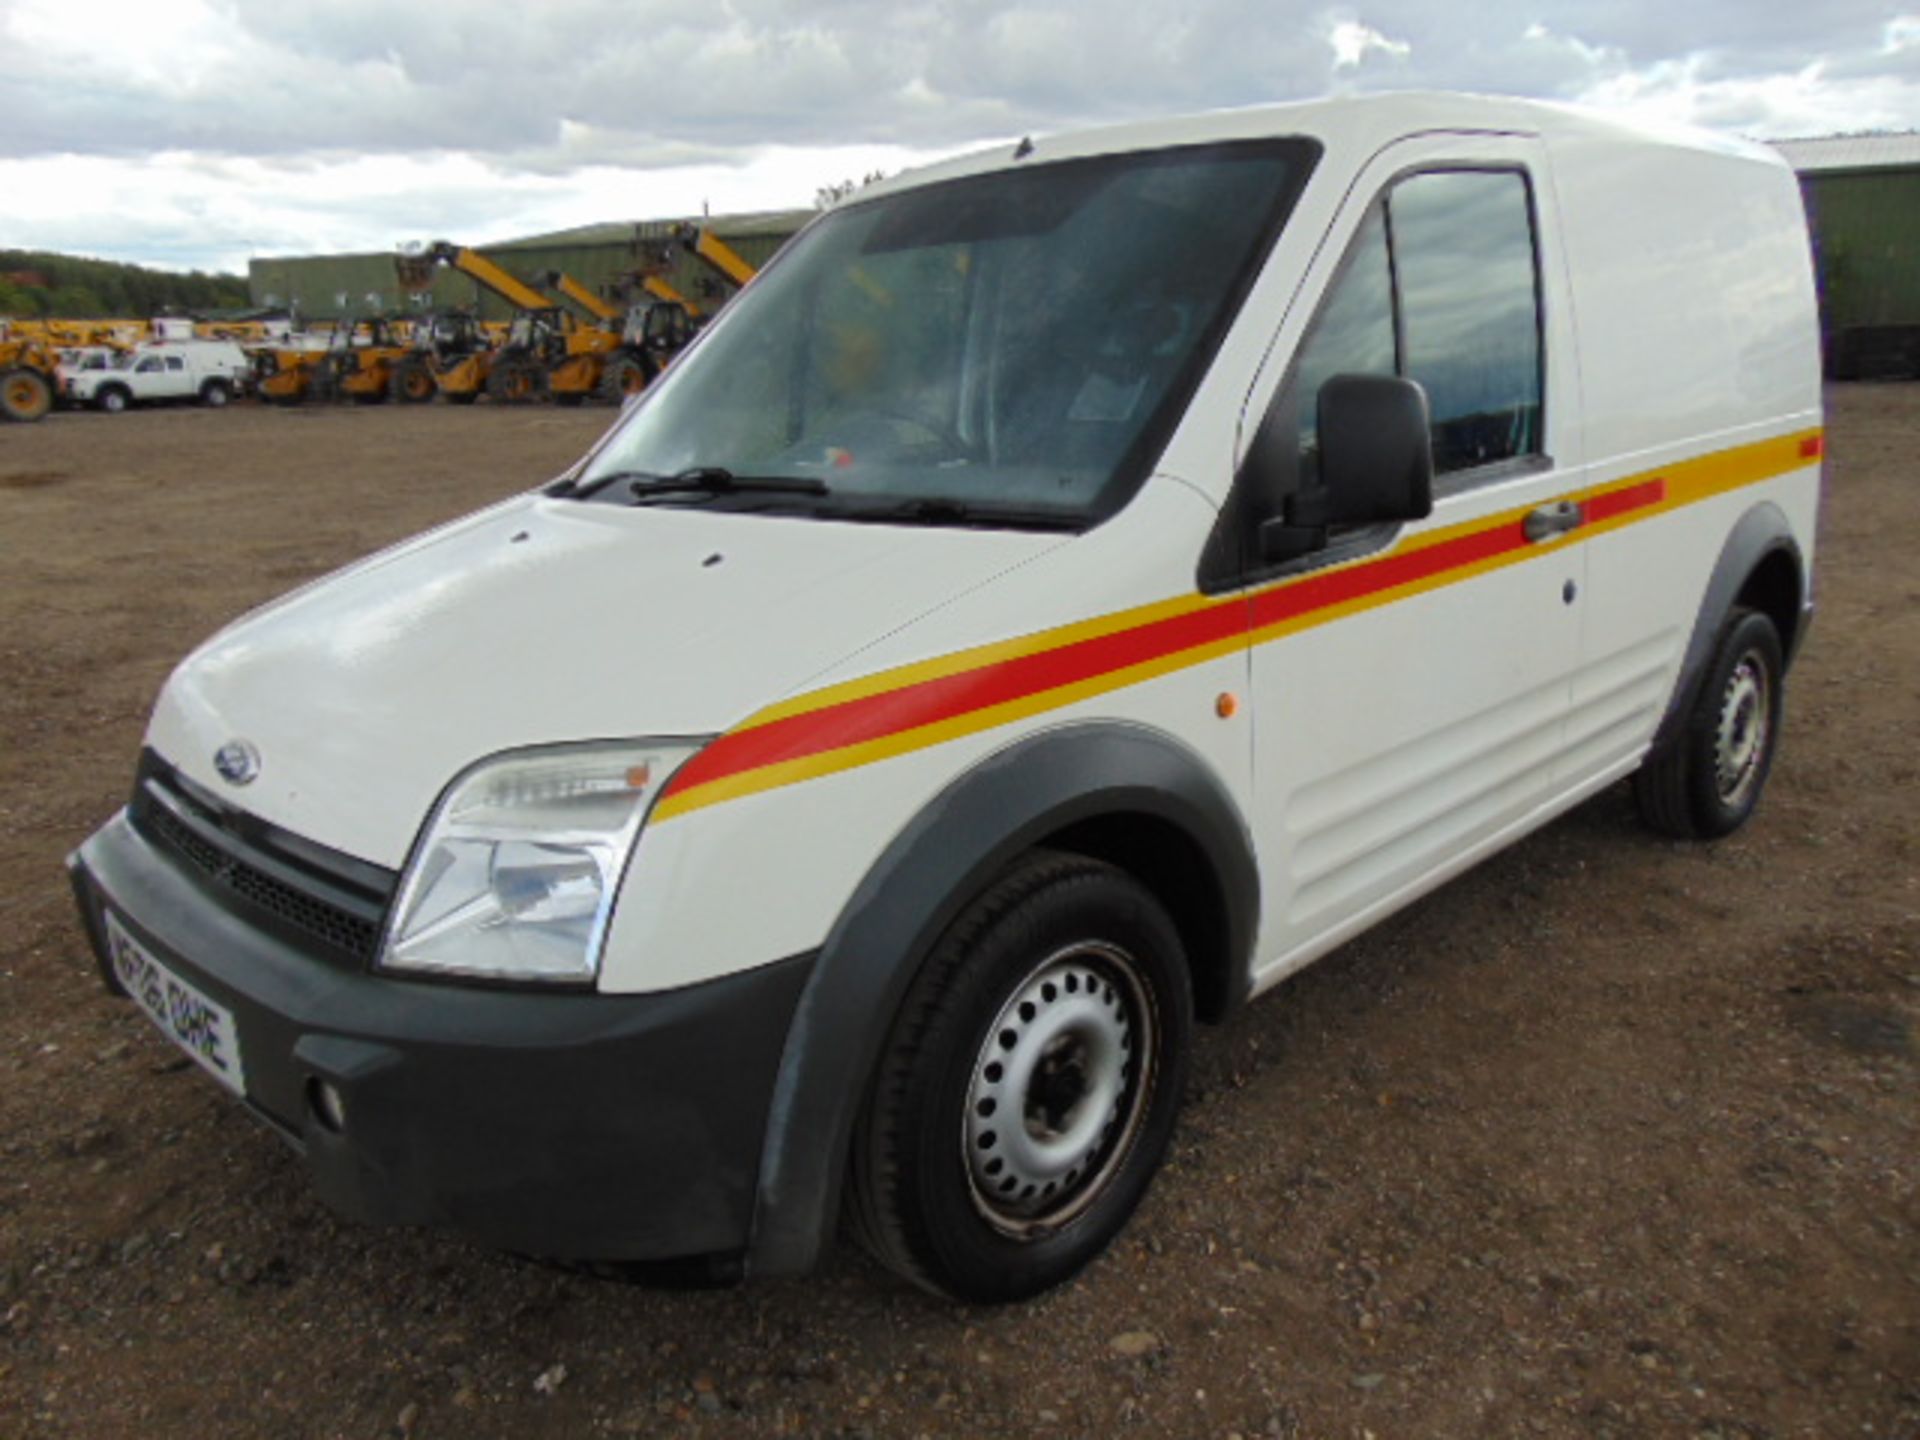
578, 1126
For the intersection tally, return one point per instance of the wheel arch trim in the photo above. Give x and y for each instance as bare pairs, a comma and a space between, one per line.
1759, 535
1000, 808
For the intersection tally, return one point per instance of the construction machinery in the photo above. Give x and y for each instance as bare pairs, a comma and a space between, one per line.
576, 353
324, 365
515, 370
702, 242
650, 321
27, 376
283, 374
360, 363
656, 330
442, 342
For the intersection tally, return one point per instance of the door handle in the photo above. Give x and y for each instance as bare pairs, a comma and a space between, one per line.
1555, 519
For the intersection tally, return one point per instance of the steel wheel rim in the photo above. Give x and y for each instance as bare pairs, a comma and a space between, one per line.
1742, 731
1059, 1089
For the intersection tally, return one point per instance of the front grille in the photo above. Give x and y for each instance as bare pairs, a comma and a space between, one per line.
253, 869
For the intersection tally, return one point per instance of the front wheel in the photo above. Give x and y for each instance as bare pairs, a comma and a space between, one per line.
25, 395
112, 400
412, 381
1029, 1087
1709, 781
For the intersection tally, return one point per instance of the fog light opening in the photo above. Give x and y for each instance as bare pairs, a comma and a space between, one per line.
328, 1105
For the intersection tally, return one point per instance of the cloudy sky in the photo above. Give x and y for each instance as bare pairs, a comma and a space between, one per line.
200, 132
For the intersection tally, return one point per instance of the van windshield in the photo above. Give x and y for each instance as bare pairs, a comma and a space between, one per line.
1006, 349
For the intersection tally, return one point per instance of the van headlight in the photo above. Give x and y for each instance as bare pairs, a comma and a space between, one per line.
514, 876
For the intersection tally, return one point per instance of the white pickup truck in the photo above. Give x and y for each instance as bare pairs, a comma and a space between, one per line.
211, 371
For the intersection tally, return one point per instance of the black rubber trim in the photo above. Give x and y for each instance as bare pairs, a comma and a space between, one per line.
577, 1126
1761, 532
967, 835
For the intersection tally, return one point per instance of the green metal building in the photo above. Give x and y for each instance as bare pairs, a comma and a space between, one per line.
1863, 205
323, 286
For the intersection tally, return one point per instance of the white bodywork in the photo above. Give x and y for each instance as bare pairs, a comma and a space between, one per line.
1374, 755
163, 370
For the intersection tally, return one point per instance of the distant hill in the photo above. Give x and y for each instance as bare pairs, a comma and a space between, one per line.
37, 283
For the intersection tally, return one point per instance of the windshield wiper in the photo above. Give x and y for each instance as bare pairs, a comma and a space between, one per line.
696, 479
718, 480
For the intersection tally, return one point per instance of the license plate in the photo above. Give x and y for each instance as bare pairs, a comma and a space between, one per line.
199, 1026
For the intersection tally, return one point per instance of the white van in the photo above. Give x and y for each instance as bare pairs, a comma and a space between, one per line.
210, 371
1071, 589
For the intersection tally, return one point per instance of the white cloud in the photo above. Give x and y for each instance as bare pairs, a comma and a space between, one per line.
199, 130
189, 211
1351, 40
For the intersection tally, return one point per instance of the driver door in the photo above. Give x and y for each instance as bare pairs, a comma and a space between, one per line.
1411, 682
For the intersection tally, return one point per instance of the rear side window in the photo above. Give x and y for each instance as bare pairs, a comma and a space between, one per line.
1440, 285
174, 362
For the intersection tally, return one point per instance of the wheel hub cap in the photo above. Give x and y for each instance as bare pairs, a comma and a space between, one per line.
1058, 1089
1740, 738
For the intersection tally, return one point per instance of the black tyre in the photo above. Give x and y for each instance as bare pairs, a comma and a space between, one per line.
25, 395
516, 380
215, 393
1028, 1089
412, 382
462, 397
625, 375
323, 383
1709, 781
113, 399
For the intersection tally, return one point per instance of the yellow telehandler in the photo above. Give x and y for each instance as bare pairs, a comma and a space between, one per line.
27, 376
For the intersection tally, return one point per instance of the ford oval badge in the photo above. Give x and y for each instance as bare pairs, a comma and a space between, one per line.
237, 761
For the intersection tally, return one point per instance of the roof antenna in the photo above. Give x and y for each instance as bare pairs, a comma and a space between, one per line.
1024, 148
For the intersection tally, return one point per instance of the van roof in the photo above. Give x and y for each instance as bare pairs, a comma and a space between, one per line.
1352, 124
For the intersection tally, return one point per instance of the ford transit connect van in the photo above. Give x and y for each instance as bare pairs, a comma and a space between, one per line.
1070, 590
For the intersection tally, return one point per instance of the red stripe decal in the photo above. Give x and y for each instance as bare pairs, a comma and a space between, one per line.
1812, 447
874, 717
1620, 502
1337, 587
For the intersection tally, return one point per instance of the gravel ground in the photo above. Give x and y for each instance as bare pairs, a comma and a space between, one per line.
1611, 1137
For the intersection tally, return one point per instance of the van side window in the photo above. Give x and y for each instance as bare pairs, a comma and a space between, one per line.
174, 362
148, 366
1469, 311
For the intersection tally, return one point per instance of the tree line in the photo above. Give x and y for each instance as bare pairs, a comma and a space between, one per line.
39, 284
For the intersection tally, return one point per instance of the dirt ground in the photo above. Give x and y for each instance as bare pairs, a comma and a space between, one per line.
1611, 1137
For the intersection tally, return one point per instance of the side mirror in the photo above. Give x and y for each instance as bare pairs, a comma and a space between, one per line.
1376, 464
1376, 450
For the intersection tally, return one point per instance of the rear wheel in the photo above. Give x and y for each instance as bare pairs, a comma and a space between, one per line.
215, 393
516, 380
25, 395
1709, 781
1029, 1086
